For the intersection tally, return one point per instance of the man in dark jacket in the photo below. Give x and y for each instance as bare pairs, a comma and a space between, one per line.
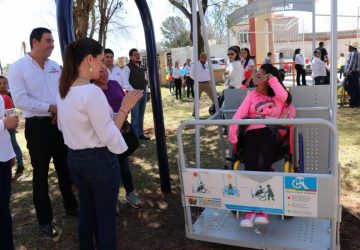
135, 73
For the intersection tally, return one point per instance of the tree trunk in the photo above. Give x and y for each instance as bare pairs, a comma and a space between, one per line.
93, 23
102, 11
81, 13
201, 45
105, 35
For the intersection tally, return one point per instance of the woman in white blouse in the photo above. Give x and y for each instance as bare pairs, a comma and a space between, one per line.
300, 67
6, 161
233, 75
94, 140
249, 68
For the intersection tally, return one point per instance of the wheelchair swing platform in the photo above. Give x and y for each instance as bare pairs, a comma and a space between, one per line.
222, 226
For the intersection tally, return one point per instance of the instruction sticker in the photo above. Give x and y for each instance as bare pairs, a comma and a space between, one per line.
201, 189
300, 196
254, 194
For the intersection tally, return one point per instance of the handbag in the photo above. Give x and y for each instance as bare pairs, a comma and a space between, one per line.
130, 138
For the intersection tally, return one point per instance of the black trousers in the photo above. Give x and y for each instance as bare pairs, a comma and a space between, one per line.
354, 88
300, 71
260, 149
342, 70
178, 88
45, 141
189, 87
320, 80
6, 233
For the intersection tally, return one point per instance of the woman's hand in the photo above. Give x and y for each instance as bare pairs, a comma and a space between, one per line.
131, 99
11, 121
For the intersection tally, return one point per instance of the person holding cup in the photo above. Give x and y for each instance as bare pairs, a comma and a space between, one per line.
4, 91
7, 155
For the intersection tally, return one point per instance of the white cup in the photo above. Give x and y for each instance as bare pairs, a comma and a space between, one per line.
10, 112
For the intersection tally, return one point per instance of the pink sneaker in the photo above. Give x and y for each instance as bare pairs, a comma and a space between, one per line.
261, 219
248, 220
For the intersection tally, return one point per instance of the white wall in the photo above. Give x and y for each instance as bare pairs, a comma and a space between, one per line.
181, 54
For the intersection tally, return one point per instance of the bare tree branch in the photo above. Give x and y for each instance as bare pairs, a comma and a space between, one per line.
182, 8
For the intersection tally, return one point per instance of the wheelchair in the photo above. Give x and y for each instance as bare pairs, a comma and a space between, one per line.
285, 149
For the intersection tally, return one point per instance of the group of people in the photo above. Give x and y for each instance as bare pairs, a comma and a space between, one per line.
75, 116
198, 70
179, 78
241, 69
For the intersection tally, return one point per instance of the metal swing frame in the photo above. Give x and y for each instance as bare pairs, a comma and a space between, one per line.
316, 109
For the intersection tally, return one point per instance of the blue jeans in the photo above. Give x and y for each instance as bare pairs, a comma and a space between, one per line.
125, 173
171, 86
97, 174
16, 147
6, 235
137, 116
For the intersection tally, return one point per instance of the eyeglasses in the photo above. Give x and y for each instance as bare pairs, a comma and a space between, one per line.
231, 54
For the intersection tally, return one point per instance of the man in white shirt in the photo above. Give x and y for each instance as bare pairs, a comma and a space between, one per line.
176, 74
268, 58
318, 68
34, 84
116, 73
200, 71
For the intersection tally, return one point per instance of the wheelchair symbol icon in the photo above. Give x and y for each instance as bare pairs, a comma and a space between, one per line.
299, 183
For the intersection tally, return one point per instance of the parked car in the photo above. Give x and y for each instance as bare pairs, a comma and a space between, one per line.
218, 63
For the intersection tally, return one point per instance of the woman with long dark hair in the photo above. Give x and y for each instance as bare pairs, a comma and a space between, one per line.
270, 99
249, 68
94, 140
300, 67
233, 74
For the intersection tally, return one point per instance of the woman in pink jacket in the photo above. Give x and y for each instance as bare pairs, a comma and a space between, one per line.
270, 99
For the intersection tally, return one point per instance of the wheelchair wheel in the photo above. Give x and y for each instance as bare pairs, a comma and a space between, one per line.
287, 167
236, 165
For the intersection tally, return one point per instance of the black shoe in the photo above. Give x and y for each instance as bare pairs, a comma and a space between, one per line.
48, 229
19, 170
143, 137
75, 212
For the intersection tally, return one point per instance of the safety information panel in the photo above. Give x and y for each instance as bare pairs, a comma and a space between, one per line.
301, 195
289, 195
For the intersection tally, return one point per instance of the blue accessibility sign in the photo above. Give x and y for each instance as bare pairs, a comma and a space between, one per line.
301, 183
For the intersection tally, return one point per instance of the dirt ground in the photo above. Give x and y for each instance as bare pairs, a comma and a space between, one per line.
159, 224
